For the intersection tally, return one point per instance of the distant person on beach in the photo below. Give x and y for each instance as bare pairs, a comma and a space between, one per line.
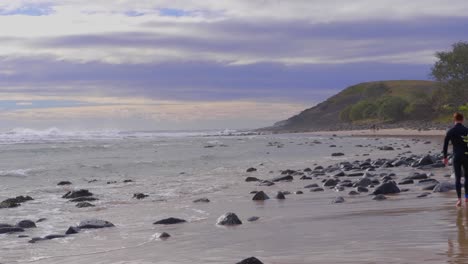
460, 158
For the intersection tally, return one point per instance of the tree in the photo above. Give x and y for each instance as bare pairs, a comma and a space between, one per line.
419, 109
392, 108
344, 114
363, 110
451, 70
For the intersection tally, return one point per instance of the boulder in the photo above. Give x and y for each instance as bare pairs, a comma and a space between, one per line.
26, 224
389, 187
15, 202
280, 196
164, 235
251, 260
77, 194
405, 182
128, 181
364, 182
386, 148
353, 193
337, 154
253, 218
330, 183
229, 219
362, 189
94, 224
314, 185
170, 221
317, 189
379, 197
338, 199
83, 199
260, 196
424, 161
62, 183
299, 192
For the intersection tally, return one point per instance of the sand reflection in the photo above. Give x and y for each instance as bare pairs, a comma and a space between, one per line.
458, 249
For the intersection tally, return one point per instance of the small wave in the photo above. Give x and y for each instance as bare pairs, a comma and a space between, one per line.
20, 173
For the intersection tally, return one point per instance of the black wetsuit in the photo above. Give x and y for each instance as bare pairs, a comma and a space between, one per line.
460, 158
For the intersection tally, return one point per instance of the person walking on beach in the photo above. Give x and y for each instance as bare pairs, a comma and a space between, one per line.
460, 158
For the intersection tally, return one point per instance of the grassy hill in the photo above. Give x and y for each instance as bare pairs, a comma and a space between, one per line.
329, 114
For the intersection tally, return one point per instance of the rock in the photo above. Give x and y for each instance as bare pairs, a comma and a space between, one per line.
5, 225
170, 221
251, 169
202, 200
339, 188
94, 224
64, 183
253, 218
338, 199
229, 219
15, 202
77, 194
353, 193
7, 230
72, 230
405, 182
429, 187
364, 182
444, 187
280, 196
283, 178
299, 192
330, 183
26, 224
23, 236
379, 197
426, 160
41, 220
251, 260
111, 182
317, 190
339, 174
389, 187
50, 237
84, 204
423, 195
164, 235
362, 189
314, 185
127, 181
260, 196
386, 148
251, 179
35, 239
265, 183
83, 199
305, 178
139, 196
417, 176
337, 154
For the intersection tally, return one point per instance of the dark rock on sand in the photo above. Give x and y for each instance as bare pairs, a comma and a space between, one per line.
64, 183
72, 230
386, 148
94, 224
202, 200
317, 190
299, 192
2, 225
444, 187
164, 235
139, 196
251, 260
251, 179
353, 193
253, 218
77, 194
229, 219
389, 187
305, 178
15, 202
280, 196
362, 189
127, 181
260, 196
426, 160
337, 154
170, 221
338, 199
41, 220
251, 169
313, 185
330, 183
26, 224
364, 182
84, 205
379, 197
283, 178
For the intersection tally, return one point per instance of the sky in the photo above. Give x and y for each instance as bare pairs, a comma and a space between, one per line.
206, 64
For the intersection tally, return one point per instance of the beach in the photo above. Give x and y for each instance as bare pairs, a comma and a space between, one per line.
174, 171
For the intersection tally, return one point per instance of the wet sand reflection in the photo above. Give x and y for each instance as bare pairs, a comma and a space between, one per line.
458, 249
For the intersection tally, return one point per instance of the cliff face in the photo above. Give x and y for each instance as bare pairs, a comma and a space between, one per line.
326, 115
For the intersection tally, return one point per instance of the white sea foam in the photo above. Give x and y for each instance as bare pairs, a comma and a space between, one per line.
27, 135
19, 173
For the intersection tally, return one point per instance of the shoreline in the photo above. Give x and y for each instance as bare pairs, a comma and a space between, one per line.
390, 132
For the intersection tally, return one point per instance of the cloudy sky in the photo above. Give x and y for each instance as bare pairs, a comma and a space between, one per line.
178, 64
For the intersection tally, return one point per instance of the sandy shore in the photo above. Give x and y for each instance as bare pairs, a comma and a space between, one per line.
394, 132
